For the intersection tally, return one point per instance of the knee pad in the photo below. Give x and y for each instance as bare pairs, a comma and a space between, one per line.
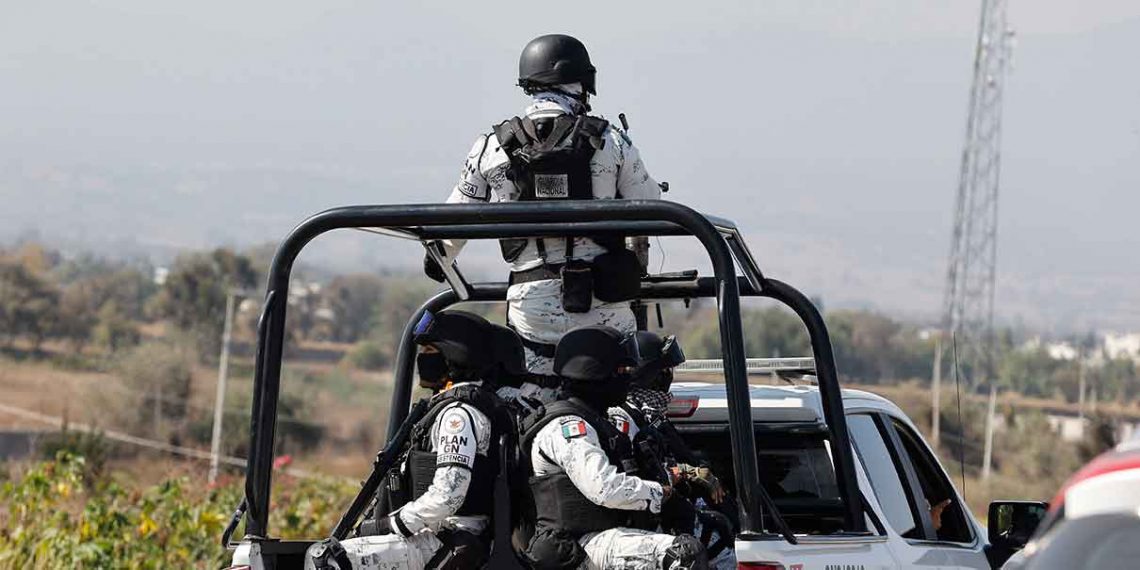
554, 550
686, 553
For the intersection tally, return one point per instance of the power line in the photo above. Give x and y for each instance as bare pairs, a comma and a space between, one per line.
156, 445
189, 402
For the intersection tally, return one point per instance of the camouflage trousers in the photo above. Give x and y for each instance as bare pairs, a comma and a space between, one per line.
388, 552
535, 311
625, 549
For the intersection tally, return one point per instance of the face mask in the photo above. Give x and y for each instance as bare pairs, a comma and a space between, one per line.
661, 381
603, 393
432, 368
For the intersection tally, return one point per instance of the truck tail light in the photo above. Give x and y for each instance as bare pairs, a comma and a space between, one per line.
759, 566
682, 407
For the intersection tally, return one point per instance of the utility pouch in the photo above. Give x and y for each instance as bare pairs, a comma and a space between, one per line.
421, 468
577, 286
512, 248
617, 274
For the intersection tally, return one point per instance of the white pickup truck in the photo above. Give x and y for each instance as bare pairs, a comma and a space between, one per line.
862, 503
896, 471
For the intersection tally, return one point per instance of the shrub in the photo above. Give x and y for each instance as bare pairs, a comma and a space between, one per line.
92, 446
54, 521
369, 355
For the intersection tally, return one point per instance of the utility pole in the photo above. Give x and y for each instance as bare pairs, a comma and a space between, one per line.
936, 392
988, 452
1081, 387
967, 309
223, 373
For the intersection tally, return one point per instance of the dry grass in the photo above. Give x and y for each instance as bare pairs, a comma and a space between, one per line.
44, 388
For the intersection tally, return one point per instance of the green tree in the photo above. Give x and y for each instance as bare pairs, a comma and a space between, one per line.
353, 300
28, 304
398, 301
194, 294
157, 377
114, 330
77, 316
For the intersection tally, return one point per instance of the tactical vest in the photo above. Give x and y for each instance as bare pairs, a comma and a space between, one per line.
420, 463
543, 168
558, 504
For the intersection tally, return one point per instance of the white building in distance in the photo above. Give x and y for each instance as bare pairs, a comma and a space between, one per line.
1122, 345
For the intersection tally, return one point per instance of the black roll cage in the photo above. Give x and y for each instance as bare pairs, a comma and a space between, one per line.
721, 240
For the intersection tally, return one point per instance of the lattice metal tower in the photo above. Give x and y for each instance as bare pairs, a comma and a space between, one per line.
967, 309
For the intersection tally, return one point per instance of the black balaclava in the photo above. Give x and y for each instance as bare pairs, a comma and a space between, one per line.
601, 394
432, 368
464, 348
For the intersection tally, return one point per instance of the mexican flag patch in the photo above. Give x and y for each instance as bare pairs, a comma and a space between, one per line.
571, 430
622, 424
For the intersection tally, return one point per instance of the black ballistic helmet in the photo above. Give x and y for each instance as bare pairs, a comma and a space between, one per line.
656, 357
463, 338
591, 354
555, 59
510, 360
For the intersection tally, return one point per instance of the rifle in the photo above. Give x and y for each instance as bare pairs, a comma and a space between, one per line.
677, 513
672, 441
383, 463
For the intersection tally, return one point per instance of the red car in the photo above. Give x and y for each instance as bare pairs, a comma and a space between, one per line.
1094, 521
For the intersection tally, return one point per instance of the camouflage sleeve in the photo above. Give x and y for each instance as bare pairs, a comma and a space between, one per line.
573, 444
472, 186
633, 180
623, 422
455, 448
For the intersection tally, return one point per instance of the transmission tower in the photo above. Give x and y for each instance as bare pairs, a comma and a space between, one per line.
968, 304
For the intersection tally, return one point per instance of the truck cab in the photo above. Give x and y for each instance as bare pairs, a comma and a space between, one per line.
896, 471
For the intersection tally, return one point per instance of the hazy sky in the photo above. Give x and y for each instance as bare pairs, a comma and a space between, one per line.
828, 129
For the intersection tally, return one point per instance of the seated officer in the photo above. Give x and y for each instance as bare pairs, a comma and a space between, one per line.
442, 498
643, 418
581, 470
646, 405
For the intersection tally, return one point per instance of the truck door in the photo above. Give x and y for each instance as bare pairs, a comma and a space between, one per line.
906, 525
952, 531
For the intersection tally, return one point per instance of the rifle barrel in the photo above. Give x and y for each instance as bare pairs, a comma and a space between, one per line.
380, 467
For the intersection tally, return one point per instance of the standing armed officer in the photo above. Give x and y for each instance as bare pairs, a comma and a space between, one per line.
556, 151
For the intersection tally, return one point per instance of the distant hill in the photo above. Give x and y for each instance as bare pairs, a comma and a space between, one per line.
840, 163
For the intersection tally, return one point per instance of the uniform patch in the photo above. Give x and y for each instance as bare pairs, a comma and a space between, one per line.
551, 186
454, 459
454, 423
571, 430
622, 424
470, 190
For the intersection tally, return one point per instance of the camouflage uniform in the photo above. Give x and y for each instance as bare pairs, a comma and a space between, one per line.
458, 434
536, 310
580, 455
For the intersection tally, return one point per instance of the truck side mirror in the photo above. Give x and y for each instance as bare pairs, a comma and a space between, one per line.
1011, 524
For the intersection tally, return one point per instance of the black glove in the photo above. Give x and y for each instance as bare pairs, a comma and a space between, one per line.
433, 270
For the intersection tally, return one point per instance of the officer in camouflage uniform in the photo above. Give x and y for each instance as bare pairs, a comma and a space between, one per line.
556, 151
449, 466
585, 490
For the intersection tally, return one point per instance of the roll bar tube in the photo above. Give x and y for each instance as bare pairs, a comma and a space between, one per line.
500, 220
826, 371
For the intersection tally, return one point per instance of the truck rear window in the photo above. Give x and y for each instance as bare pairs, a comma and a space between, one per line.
795, 469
